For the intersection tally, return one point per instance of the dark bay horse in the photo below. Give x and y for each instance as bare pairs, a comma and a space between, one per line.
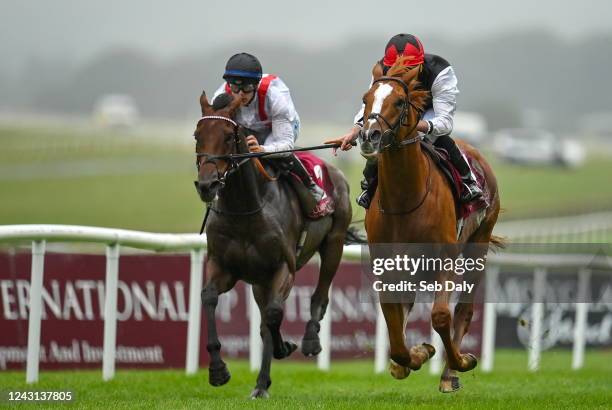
414, 204
253, 233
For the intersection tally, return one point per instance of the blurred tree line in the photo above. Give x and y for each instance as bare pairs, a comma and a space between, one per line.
500, 76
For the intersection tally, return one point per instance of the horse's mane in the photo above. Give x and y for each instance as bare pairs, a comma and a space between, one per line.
417, 95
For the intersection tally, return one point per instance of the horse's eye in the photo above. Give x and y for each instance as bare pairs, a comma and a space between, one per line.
399, 103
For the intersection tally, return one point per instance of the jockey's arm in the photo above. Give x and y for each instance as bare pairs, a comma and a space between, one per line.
285, 123
281, 138
444, 99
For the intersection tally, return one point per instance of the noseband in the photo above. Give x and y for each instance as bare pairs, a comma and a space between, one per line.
390, 133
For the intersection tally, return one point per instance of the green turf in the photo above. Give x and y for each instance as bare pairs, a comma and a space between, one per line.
348, 385
142, 180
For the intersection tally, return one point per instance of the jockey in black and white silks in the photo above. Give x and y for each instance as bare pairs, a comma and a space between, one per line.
437, 76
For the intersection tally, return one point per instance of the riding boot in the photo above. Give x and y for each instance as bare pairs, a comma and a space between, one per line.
318, 194
368, 184
471, 191
298, 169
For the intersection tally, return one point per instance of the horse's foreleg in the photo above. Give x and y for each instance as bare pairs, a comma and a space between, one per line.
263, 378
403, 359
331, 254
273, 313
217, 282
398, 353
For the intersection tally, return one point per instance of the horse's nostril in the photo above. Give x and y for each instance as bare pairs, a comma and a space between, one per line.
207, 186
374, 135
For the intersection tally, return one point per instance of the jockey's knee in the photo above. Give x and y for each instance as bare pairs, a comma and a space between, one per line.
441, 141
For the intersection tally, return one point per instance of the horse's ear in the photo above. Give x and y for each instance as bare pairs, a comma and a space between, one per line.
377, 71
204, 104
233, 106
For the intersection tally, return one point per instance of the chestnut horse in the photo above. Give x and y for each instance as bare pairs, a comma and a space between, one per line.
415, 204
257, 233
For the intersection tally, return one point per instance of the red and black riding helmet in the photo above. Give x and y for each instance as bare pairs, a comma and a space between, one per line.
406, 45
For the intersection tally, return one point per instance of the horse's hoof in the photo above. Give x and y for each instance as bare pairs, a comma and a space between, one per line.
398, 371
420, 354
287, 349
218, 375
468, 362
449, 385
260, 393
431, 351
311, 347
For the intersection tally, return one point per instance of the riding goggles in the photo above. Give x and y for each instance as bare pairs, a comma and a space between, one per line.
247, 87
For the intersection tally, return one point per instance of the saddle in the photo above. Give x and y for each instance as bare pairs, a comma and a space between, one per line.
442, 160
317, 170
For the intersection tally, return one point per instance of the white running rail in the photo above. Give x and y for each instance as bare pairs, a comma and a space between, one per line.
114, 239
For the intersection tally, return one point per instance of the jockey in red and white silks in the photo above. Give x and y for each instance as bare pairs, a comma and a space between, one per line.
268, 112
271, 114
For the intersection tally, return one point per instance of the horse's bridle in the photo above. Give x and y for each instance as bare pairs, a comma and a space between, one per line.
234, 164
391, 132
209, 158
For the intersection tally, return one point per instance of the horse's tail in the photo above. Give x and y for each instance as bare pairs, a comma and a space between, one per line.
498, 242
353, 236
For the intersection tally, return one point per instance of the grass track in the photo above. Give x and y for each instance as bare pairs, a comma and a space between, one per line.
349, 385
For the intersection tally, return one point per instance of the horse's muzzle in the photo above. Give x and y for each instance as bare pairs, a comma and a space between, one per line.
207, 190
370, 142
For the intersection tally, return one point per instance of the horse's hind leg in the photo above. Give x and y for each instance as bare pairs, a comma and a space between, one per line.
263, 378
278, 291
331, 254
217, 282
464, 310
441, 321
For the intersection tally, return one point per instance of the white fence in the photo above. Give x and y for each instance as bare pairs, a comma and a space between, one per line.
196, 244
592, 227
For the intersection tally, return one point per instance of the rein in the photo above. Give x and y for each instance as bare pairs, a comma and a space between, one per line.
238, 159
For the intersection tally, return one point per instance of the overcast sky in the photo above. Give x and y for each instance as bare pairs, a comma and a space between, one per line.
78, 29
